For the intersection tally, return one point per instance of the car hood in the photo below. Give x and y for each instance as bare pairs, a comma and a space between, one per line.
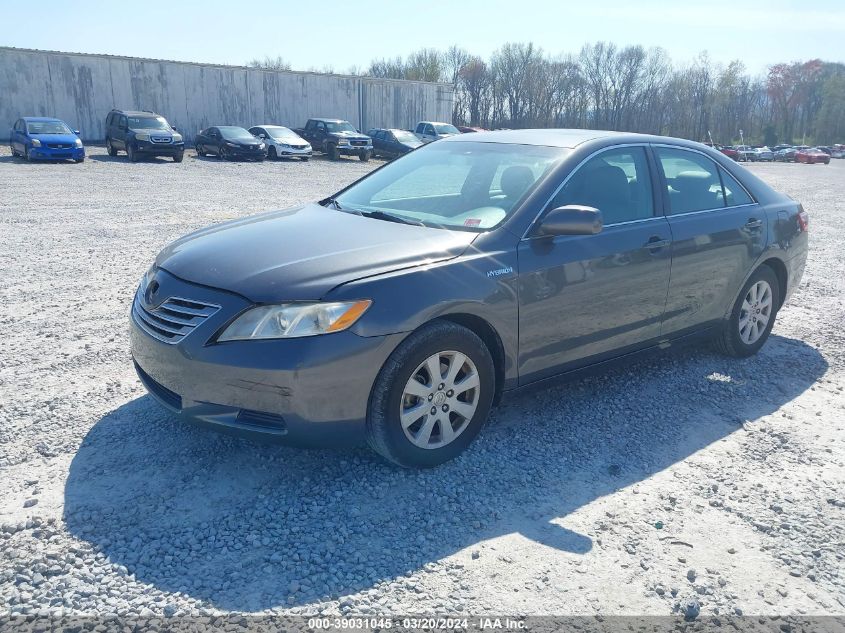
302, 253
350, 135
55, 138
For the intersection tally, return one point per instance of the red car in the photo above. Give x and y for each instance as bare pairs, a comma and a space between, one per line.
466, 129
811, 156
730, 152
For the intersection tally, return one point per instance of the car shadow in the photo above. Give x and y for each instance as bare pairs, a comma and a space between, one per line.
236, 524
122, 158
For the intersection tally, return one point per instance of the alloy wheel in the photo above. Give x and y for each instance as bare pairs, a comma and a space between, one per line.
755, 313
439, 399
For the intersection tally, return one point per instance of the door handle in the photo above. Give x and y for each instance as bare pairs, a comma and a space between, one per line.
655, 242
754, 223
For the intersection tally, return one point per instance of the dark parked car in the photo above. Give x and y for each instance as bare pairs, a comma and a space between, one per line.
229, 142
467, 129
785, 154
398, 310
336, 138
141, 134
392, 143
43, 138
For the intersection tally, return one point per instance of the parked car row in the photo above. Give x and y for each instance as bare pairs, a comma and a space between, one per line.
782, 153
141, 133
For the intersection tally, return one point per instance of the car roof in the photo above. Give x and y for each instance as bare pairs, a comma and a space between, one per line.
317, 118
559, 137
136, 112
43, 119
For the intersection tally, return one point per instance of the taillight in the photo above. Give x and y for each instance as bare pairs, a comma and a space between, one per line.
803, 219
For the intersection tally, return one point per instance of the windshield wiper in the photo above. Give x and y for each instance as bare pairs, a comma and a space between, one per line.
381, 215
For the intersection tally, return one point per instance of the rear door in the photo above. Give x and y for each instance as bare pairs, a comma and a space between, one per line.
585, 298
718, 232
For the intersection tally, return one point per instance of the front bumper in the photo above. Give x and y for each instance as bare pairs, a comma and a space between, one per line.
293, 152
251, 154
49, 153
309, 391
148, 148
354, 150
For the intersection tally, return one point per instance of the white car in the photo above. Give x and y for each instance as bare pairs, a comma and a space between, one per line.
428, 131
282, 142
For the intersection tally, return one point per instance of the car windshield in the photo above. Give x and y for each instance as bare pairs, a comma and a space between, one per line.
342, 126
403, 136
148, 123
47, 127
282, 133
460, 185
445, 128
233, 133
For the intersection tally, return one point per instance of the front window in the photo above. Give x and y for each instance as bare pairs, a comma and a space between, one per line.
404, 137
282, 134
231, 133
342, 126
616, 182
148, 123
445, 128
47, 127
466, 186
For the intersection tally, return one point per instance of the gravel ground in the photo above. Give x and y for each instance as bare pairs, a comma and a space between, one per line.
686, 482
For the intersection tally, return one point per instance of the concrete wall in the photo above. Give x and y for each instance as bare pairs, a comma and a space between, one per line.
81, 89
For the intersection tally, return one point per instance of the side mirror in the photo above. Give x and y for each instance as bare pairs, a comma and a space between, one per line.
174, 128
76, 132
572, 219
261, 136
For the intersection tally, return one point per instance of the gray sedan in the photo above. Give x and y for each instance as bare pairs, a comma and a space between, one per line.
398, 311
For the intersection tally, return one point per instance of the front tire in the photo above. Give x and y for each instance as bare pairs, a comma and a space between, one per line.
178, 158
131, 154
364, 156
431, 397
200, 150
752, 317
332, 152
272, 154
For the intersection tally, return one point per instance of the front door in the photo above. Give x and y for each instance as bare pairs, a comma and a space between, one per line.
589, 297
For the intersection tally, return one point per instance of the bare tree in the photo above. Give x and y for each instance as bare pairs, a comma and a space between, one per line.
270, 63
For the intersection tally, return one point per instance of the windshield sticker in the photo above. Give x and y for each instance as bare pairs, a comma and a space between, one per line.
472, 222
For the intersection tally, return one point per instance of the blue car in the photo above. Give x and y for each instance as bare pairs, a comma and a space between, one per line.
43, 138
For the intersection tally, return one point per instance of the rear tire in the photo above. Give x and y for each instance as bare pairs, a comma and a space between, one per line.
110, 148
752, 316
399, 390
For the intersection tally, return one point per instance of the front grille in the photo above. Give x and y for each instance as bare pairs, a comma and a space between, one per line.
169, 398
359, 143
173, 320
299, 146
160, 139
58, 146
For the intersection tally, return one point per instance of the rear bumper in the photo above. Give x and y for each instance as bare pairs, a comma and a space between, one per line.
795, 270
47, 153
311, 391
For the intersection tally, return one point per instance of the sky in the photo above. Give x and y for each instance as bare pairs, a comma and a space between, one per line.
340, 34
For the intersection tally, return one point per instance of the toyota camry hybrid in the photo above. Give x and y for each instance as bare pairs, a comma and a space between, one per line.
399, 310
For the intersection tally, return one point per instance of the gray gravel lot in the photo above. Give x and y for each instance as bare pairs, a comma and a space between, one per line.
688, 480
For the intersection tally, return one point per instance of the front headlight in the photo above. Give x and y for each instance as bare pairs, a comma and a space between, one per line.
343, 141
78, 142
177, 138
36, 142
229, 144
142, 137
292, 320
